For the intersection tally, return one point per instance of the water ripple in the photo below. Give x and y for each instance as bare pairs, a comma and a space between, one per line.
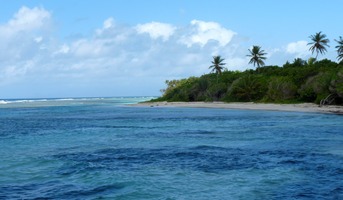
100, 151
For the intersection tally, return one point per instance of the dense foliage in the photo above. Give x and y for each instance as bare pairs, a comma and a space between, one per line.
299, 81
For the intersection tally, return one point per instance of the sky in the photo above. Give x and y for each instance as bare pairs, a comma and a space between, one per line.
107, 48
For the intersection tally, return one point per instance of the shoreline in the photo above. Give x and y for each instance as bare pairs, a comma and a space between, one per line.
302, 107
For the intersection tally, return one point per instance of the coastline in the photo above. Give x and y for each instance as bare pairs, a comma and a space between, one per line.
302, 107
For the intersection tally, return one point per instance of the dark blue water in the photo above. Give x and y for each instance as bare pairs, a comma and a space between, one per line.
101, 149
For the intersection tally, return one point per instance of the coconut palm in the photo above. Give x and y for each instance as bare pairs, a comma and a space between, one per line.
217, 65
319, 43
257, 56
339, 48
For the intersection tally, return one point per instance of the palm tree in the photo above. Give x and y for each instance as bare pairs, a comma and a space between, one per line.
217, 65
299, 62
339, 48
257, 56
319, 41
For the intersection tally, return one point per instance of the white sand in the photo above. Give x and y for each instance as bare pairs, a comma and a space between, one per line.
304, 107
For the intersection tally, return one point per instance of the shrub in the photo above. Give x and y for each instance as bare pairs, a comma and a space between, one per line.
336, 85
217, 91
315, 88
281, 88
246, 88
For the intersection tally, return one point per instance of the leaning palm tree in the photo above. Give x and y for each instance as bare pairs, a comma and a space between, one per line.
319, 43
217, 65
257, 56
339, 48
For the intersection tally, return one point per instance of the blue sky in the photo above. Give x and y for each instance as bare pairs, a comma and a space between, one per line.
70, 48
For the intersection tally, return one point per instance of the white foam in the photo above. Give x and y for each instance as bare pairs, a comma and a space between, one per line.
3, 102
69, 99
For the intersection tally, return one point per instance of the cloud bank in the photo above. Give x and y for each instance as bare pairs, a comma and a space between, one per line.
299, 48
156, 30
115, 59
202, 32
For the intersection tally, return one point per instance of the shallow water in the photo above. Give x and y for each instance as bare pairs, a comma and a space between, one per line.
101, 149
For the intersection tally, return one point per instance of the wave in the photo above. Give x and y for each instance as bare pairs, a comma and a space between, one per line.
3, 102
116, 100
46, 100
22, 101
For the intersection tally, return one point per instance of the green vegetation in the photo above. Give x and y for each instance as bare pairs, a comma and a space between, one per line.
313, 81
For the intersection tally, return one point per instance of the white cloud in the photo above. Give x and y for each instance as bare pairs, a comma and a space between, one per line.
156, 30
22, 36
298, 48
38, 39
203, 32
113, 52
236, 63
150, 52
26, 19
108, 23
64, 49
15, 71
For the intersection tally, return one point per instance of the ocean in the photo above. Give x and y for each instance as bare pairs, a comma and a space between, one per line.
103, 148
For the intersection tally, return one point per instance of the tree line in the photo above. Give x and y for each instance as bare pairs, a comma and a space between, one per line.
299, 81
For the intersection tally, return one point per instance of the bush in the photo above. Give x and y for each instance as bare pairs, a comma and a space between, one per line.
246, 88
316, 88
336, 85
217, 91
281, 88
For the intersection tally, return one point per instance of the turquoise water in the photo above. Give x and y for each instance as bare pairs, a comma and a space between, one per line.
100, 148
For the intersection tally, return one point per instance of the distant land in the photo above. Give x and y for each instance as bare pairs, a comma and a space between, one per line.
300, 81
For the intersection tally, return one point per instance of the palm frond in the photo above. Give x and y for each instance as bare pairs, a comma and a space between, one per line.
339, 48
218, 64
319, 43
256, 56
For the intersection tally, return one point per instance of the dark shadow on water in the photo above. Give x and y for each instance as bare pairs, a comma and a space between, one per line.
324, 171
56, 190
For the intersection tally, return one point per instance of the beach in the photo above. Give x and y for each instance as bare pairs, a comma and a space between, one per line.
302, 107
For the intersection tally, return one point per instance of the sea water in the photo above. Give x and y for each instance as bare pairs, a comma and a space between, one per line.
101, 148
